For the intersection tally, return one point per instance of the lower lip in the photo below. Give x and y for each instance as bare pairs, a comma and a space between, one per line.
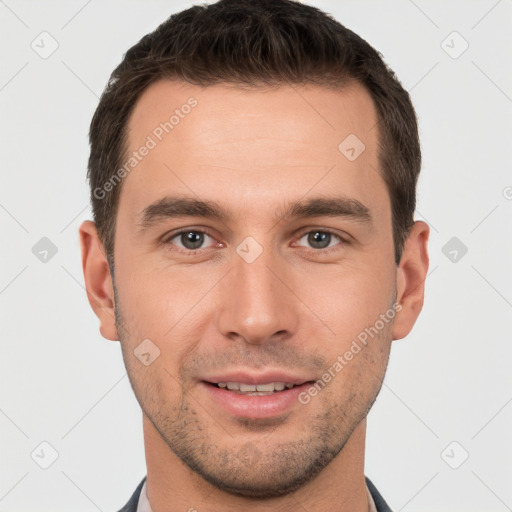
255, 406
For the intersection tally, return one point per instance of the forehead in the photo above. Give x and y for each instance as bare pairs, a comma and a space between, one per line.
299, 113
242, 146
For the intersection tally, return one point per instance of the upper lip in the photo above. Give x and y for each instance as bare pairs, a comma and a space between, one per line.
266, 377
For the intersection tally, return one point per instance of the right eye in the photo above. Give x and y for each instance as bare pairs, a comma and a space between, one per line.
188, 240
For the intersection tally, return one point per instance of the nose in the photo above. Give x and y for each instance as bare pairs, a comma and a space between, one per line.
257, 303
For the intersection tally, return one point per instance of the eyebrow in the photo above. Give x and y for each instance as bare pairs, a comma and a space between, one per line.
175, 207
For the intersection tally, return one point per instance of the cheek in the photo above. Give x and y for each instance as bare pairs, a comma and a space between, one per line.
157, 297
171, 308
357, 365
349, 299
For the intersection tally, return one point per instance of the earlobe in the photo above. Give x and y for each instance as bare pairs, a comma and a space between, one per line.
98, 281
411, 275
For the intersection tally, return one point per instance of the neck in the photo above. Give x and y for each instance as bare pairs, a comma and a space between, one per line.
173, 486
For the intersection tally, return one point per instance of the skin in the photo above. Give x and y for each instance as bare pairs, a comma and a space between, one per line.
297, 307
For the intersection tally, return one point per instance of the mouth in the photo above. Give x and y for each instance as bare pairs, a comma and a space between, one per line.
264, 389
255, 400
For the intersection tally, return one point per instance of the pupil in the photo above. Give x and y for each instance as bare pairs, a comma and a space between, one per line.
319, 239
192, 240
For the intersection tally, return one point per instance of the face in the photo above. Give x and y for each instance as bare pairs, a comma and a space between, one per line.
273, 279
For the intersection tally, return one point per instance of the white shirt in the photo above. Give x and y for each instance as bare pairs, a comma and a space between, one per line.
144, 506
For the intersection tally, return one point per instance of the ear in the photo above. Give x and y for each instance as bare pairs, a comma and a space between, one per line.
411, 275
98, 281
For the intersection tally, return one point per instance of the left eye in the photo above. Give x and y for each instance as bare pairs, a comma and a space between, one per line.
320, 239
190, 239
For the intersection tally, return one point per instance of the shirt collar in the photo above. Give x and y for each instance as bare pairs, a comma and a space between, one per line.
143, 505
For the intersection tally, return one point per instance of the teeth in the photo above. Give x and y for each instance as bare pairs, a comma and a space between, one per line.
266, 387
255, 388
247, 387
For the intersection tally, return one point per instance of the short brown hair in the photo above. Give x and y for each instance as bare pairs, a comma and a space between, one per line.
255, 43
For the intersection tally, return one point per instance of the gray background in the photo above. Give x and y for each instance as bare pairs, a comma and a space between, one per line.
448, 381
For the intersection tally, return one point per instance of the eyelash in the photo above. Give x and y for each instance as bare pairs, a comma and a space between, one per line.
191, 252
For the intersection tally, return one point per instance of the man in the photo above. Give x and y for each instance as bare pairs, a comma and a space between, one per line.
253, 170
